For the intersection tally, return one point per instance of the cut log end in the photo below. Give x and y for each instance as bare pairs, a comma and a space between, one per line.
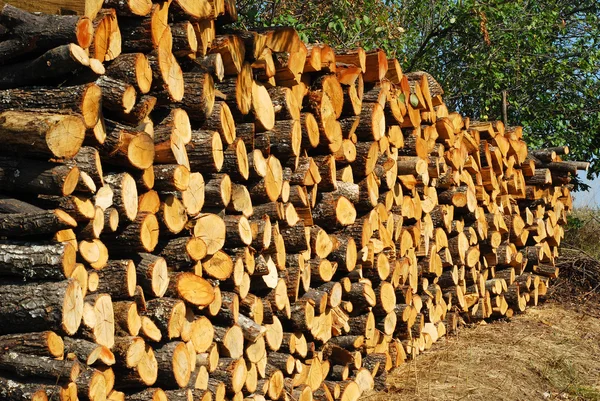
140, 151
65, 138
345, 212
72, 308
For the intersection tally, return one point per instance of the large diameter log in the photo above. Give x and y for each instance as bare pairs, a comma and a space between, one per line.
171, 177
88, 352
173, 365
333, 211
10, 205
41, 306
205, 152
129, 351
117, 96
54, 64
37, 177
167, 77
118, 279
81, 99
171, 215
140, 235
212, 230
42, 133
92, 384
168, 314
143, 375
98, 320
132, 68
185, 42
12, 390
127, 318
152, 274
199, 96
25, 224
217, 191
221, 120
183, 252
127, 146
235, 160
233, 373
125, 197
191, 288
38, 32
285, 138
29, 366
193, 197
107, 43
262, 107
37, 261
45, 343
460, 197
169, 122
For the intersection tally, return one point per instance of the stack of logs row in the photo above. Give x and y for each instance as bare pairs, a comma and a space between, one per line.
194, 212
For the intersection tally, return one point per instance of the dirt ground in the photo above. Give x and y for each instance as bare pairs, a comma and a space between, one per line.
552, 352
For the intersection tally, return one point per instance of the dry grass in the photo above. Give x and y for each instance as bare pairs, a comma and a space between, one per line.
550, 352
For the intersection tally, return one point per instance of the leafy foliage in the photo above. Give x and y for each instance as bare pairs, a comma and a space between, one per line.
544, 53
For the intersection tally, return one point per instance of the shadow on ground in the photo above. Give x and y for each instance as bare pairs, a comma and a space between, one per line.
552, 352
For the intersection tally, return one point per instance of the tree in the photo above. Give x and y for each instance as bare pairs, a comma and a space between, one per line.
544, 53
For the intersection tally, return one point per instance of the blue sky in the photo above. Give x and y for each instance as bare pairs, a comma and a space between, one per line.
590, 198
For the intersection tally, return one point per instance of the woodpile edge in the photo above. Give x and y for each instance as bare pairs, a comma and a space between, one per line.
194, 212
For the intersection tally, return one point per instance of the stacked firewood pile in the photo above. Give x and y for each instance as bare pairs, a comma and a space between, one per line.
193, 212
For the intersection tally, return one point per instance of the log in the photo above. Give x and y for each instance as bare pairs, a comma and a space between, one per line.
334, 211
185, 42
140, 235
91, 384
88, 352
45, 343
152, 274
130, 8
233, 373
107, 44
55, 64
27, 366
117, 95
9, 205
182, 252
11, 390
81, 99
37, 261
41, 223
126, 146
58, 306
191, 288
34, 33
42, 133
199, 96
173, 363
167, 77
205, 152
118, 278
125, 197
